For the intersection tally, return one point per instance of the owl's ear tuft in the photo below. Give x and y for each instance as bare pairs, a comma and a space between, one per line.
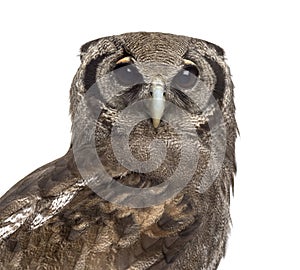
218, 49
84, 48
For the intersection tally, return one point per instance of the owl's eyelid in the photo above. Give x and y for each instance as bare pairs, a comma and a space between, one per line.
187, 62
124, 60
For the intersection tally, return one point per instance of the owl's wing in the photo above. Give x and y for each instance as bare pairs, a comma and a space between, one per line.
39, 196
45, 181
49, 220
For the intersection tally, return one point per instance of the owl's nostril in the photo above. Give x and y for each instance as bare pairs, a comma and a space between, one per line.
151, 93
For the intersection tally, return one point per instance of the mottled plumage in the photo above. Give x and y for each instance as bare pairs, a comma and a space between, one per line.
65, 215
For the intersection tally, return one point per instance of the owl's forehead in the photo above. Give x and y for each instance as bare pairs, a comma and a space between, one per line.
148, 47
155, 47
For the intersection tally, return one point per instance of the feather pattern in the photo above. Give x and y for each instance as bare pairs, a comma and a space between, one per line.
66, 215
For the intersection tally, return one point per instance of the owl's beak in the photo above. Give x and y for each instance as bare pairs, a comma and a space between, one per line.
157, 103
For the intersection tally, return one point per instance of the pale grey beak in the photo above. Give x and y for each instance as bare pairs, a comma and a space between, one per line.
157, 103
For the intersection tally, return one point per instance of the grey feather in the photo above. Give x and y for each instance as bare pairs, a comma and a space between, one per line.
65, 215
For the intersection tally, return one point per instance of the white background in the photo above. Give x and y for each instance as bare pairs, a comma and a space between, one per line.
39, 46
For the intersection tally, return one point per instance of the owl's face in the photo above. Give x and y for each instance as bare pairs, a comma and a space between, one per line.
133, 89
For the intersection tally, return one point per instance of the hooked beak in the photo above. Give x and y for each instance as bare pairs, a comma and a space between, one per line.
157, 103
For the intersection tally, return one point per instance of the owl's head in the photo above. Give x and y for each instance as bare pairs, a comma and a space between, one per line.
135, 88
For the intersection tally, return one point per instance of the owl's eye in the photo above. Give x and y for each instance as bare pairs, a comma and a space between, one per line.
127, 74
186, 78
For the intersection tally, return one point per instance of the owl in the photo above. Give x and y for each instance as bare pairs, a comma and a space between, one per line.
147, 180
